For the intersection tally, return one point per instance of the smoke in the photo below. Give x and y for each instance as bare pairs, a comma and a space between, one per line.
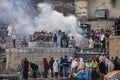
17, 15
22, 17
51, 20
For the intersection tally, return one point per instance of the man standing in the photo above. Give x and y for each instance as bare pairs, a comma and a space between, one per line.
102, 68
88, 70
3, 43
65, 66
55, 39
51, 66
91, 44
25, 69
14, 40
73, 42
61, 67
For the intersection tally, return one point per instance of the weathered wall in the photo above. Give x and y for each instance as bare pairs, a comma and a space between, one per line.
36, 55
102, 24
66, 7
81, 9
114, 46
88, 9
93, 5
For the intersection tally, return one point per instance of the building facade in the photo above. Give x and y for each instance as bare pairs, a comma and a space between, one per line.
100, 13
110, 8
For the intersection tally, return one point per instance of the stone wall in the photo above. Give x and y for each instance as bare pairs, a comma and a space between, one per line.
81, 9
93, 5
114, 46
36, 55
102, 24
65, 8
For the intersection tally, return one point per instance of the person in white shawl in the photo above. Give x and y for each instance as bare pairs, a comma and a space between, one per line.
91, 43
55, 68
74, 65
110, 66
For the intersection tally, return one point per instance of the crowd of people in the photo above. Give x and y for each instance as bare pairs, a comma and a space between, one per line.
99, 38
67, 67
24, 66
61, 39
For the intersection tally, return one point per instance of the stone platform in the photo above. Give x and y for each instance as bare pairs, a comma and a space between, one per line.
41, 44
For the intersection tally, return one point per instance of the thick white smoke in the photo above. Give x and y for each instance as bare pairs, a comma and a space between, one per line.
19, 16
51, 20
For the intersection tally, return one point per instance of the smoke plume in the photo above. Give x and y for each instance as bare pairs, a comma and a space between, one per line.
22, 17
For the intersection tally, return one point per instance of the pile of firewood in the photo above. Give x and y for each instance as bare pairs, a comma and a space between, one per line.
42, 36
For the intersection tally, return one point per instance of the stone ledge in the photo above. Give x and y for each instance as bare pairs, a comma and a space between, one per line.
114, 37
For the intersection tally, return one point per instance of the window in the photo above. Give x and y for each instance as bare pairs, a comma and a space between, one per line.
102, 14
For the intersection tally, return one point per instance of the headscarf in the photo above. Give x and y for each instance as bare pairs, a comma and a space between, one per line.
81, 65
74, 63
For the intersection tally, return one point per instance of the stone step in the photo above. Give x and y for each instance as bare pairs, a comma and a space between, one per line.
87, 56
15, 77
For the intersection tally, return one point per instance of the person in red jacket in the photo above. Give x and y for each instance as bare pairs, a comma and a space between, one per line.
46, 67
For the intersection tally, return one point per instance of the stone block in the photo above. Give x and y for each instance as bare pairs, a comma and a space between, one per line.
114, 46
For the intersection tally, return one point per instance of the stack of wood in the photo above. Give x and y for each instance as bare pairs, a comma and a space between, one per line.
42, 36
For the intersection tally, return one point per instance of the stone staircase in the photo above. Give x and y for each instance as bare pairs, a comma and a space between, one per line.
86, 53
8, 44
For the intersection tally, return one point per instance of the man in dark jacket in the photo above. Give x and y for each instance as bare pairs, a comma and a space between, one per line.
55, 39
51, 66
34, 69
61, 67
65, 66
25, 68
102, 68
